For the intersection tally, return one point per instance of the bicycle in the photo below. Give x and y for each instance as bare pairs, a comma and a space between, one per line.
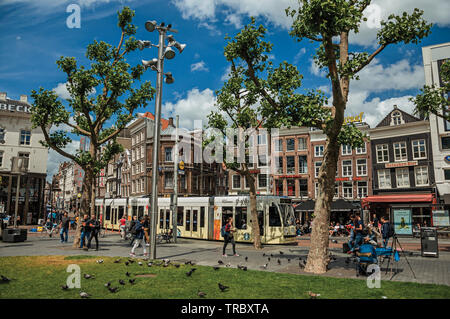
165, 236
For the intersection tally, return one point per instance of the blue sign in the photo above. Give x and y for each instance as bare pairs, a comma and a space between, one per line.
246, 236
447, 158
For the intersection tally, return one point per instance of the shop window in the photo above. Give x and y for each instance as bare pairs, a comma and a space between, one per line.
167, 218
108, 213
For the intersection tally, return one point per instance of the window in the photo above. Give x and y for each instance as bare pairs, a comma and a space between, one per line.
262, 180
188, 219
362, 189
421, 173
290, 164
133, 140
400, 151
262, 139
302, 144
396, 118
279, 145
274, 216
361, 150
336, 190
346, 150
25, 137
279, 165
361, 167
290, 144
142, 167
262, 160
1, 158
445, 142
279, 187
419, 149
291, 187
382, 153
402, 176
183, 181
202, 217
194, 219
384, 178
142, 151
26, 159
180, 217
249, 161
446, 175
241, 217
142, 185
168, 180
316, 189
168, 152
2, 135
302, 164
318, 150
303, 187
138, 138
347, 168
347, 189
317, 168
237, 181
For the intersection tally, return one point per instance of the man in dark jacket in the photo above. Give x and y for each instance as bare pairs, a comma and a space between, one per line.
94, 224
64, 233
139, 237
385, 230
85, 231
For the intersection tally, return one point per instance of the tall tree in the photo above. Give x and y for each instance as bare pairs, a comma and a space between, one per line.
435, 100
87, 113
329, 23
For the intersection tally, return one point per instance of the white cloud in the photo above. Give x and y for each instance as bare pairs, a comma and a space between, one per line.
226, 75
314, 69
199, 66
54, 158
63, 93
196, 106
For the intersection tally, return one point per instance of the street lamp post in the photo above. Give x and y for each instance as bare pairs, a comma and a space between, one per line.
19, 165
158, 66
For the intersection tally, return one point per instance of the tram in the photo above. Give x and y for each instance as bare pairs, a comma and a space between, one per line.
203, 217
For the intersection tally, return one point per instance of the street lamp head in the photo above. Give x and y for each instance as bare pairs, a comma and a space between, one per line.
150, 64
150, 26
169, 53
143, 44
169, 78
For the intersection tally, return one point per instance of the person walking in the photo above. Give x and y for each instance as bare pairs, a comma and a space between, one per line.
123, 225
85, 231
358, 233
94, 224
146, 226
132, 230
64, 224
385, 230
229, 237
139, 238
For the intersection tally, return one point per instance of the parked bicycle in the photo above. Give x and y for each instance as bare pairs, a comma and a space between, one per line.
165, 236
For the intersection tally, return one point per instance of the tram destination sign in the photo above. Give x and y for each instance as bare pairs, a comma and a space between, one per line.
15, 108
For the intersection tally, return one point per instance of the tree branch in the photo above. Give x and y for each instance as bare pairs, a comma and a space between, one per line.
370, 58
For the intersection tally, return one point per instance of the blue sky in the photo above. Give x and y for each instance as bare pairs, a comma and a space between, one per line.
34, 34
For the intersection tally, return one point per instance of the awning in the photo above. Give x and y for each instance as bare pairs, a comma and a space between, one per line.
339, 205
406, 198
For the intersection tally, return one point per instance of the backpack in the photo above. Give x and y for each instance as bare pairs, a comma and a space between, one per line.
391, 230
222, 231
133, 229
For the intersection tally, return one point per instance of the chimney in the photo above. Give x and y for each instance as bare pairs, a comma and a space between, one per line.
24, 98
171, 121
3, 96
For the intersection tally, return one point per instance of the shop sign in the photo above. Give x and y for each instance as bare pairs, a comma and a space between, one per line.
402, 221
15, 108
402, 164
342, 179
441, 218
354, 119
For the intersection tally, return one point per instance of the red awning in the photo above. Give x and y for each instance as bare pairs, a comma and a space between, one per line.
407, 198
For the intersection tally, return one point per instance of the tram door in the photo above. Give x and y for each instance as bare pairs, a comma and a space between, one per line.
188, 222
114, 217
195, 222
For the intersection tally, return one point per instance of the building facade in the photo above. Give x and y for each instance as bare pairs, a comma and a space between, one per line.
19, 139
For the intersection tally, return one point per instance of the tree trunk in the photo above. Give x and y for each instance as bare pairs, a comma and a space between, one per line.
254, 213
318, 260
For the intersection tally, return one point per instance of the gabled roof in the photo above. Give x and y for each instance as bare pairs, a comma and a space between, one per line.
406, 117
164, 122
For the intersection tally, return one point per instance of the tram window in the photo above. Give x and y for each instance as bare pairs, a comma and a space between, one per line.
108, 213
226, 213
167, 218
274, 216
261, 222
120, 212
161, 218
141, 212
202, 216
188, 219
180, 211
241, 218
134, 213
194, 219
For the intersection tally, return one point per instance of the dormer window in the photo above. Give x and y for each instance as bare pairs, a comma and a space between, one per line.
396, 118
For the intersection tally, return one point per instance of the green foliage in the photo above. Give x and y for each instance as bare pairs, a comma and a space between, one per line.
107, 89
435, 100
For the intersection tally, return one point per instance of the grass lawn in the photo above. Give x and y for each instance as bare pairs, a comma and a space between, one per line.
43, 276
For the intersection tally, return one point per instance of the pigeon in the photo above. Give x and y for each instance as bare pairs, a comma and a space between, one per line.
117, 261
139, 263
244, 268
228, 265
113, 289
189, 273
334, 241
264, 266
121, 282
268, 258
150, 264
87, 276
246, 258
5, 279
84, 294
100, 261
281, 253
279, 262
65, 287
201, 294
289, 260
107, 284
216, 268
131, 281
271, 255
128, 274
131, 261
264, 254
166, 261
177, 265
220, 262
187, 262
193, 269
301, 265
126, 263
222, 287
313, 295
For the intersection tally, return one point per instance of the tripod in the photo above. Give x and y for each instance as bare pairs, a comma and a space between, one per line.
395, 241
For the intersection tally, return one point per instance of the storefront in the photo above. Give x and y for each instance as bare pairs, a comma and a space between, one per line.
407, 212
341, 210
